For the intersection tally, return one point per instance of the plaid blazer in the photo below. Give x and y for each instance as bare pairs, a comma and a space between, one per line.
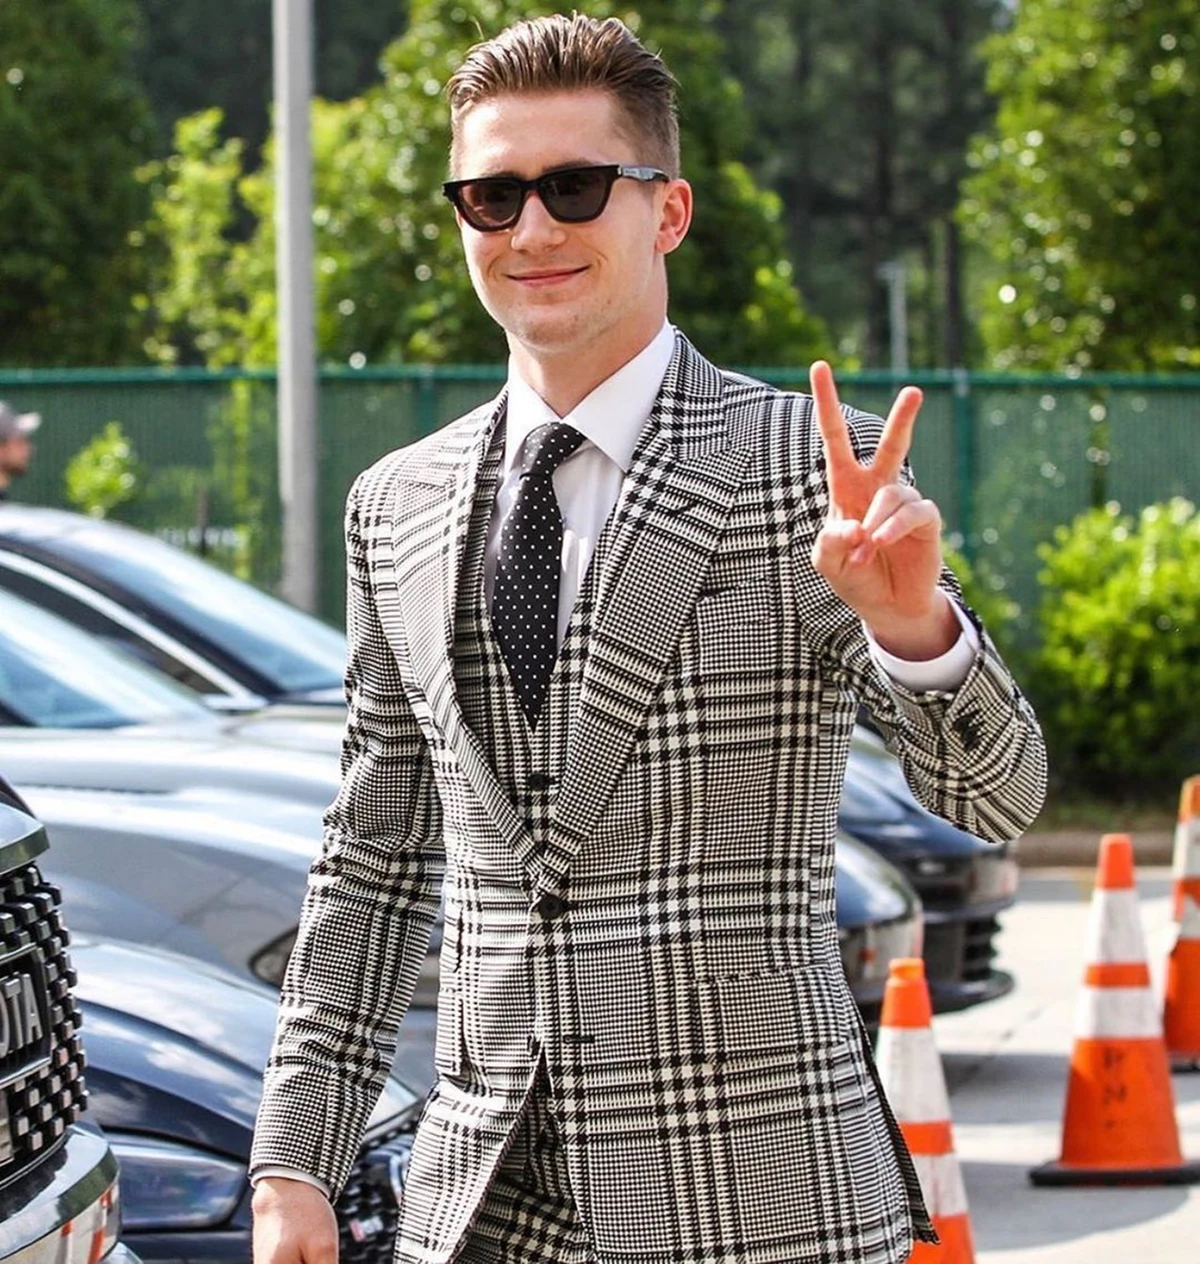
664, 934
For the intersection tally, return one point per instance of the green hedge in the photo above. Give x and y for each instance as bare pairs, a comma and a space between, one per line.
1115, 675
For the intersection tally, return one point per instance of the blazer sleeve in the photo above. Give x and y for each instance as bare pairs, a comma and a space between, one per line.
372, 896
974, 755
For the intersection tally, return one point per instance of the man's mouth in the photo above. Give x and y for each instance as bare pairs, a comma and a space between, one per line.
537, 277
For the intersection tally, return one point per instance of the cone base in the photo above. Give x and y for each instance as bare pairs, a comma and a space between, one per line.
1058, 1173
1182, 1063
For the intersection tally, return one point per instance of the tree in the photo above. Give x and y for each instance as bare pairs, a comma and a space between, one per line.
391, 284
1084, 195
74, 127
862, 111
190, 63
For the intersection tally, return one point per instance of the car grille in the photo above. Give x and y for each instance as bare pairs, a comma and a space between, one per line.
369, 1208
41, 1102
960, 951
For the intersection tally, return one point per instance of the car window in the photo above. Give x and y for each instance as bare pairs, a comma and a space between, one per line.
54, 676
85, 616
291, 649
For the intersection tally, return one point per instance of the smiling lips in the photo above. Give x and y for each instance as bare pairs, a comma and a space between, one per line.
546, 277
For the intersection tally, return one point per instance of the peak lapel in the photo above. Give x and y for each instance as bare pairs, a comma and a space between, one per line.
673, 509
428, 596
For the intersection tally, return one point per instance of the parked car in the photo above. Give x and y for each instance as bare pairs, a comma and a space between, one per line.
85, 570
175, 1054
230, 642
59, 1196
964, 883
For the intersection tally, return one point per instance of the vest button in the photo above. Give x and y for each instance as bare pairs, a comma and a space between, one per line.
540, 781
551, 907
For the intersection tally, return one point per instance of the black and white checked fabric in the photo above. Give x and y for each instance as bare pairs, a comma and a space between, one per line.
525, 595
639, 891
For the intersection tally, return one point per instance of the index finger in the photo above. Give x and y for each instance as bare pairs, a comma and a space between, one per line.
839, 452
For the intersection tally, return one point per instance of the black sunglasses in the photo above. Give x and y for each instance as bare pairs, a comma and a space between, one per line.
573, 195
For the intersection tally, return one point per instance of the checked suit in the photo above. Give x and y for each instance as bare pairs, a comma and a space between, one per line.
639, 890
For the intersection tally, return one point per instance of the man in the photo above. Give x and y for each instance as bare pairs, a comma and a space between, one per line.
603, 675
16, 450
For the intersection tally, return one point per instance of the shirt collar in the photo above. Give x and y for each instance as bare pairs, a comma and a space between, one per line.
612, 416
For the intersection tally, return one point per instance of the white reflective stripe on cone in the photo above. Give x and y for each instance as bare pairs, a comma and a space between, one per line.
1189, 919
1114, 931
1117, 1012
1187, 848
911, 1070
942, 1184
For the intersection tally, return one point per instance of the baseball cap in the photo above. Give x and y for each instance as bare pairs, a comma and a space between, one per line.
15, 423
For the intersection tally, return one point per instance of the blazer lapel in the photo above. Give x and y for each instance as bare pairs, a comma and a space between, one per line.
427, 594
673, 509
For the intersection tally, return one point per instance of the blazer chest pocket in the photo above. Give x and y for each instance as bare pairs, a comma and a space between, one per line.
736, 628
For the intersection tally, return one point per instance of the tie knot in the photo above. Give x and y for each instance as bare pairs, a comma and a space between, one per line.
548, 446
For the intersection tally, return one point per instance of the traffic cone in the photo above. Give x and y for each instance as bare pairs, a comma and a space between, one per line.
1119, 1120
1181, 1008
911, 1073
1187, 847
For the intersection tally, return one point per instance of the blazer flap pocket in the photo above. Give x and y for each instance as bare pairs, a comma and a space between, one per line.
761, 1013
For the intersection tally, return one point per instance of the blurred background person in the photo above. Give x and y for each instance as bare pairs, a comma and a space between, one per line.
16, 447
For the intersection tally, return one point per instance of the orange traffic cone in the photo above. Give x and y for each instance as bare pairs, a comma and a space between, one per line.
1181, 1010
1187, 846
911, 1073
1119, 1120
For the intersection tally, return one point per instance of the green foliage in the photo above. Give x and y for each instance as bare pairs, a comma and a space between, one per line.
1084, 196
188, 62
984, 591
1118, 670
104, 473
391, 282
73, 128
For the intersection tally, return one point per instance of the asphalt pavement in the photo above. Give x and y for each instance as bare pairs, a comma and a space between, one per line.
1006, 1068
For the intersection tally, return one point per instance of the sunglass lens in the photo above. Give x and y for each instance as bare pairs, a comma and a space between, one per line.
490, 203
576, 196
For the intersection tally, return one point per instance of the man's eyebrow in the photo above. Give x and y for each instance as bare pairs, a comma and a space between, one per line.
569, 165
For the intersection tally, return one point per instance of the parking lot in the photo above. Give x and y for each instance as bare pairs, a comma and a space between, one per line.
1006, 1066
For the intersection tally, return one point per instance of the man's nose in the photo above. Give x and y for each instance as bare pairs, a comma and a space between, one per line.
536, 225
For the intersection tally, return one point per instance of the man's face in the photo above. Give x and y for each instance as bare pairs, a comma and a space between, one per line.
15, 452
556, 287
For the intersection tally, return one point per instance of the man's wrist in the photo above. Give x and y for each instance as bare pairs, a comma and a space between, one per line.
918, 638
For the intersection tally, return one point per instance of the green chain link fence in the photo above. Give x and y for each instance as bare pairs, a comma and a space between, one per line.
1007, 458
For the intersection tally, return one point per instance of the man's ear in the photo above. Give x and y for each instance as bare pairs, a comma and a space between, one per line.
675, 218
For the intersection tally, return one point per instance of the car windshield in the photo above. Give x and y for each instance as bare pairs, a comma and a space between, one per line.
54, 676
293, 650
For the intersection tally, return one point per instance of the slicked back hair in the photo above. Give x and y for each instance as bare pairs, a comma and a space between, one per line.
560, 53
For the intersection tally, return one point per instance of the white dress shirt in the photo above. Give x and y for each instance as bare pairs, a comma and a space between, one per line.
587, 485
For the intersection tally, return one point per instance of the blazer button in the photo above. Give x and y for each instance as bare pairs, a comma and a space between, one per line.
551, 907
540, 781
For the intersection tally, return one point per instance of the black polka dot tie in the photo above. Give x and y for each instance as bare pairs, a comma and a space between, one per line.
525, 594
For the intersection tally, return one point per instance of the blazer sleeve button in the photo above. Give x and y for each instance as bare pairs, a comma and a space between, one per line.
540, 781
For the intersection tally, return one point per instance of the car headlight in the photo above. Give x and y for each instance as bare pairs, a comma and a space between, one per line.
991, 878
165, 1185
270, 963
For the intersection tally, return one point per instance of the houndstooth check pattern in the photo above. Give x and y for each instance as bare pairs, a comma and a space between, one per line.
650, 920
525, 596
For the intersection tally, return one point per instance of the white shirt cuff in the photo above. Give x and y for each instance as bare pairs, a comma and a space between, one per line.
944, 673
292, 1174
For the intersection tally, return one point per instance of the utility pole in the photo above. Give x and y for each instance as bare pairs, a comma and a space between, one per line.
892, 275
293, 65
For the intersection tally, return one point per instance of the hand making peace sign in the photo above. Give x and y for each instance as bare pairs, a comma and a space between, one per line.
880, 548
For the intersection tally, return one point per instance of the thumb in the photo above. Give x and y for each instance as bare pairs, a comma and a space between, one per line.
835, 542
